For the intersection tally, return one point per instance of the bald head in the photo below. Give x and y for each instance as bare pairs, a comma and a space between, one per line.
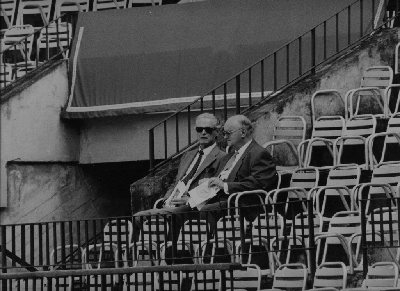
238, 131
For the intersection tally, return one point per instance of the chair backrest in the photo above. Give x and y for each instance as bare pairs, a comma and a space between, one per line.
63, 6
215, 251
331, 274
344, 175
306, 178
291, 128
382, 274
34, 7
360, 125
329, 127
131, 3
17, 34
390, 151
7, 8
301, 227
248, 279
377, 76
99, 5
332, 102
345, 223
290, 276
57, 35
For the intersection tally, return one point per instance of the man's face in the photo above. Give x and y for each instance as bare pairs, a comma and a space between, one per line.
233, 134
206, 132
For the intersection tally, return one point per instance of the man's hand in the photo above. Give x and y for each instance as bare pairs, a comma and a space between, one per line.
216, 182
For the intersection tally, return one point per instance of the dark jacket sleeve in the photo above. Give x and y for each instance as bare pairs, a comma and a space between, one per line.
260, 174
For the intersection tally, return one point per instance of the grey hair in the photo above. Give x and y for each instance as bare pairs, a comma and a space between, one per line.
210, 117
243, 122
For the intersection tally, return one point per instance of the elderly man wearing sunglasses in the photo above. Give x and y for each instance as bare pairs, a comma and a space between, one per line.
195, 165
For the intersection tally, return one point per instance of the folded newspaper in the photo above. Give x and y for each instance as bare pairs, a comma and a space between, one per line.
201, 194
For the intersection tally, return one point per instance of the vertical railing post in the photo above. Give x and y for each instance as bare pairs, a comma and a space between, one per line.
237, 94
151, 148
3, 241
313, 51
165, 140
275, 73
189, 126
361, 18
349, 25
177, 131
364, 247
325, 40
225, 103
337, 31
300, 57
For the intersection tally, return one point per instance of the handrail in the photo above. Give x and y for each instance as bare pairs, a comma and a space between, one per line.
245, 78
9, 71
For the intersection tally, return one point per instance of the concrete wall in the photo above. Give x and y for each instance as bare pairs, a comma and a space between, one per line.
31, 129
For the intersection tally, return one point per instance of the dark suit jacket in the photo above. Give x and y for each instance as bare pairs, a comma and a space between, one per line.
205, 170
255, 170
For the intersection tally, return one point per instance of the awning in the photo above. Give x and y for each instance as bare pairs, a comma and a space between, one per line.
153, 59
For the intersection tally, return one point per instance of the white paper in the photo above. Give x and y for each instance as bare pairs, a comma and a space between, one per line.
177, 193
201, 194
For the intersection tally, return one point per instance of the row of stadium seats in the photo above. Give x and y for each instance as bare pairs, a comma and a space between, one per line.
18, 12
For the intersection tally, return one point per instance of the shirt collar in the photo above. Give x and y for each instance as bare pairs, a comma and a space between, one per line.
243, 148
208, 150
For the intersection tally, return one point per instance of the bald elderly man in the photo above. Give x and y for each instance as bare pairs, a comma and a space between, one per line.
248, 167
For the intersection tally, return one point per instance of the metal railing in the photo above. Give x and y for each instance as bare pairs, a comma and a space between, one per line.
164, 239
266, 77
22, 58
380, 230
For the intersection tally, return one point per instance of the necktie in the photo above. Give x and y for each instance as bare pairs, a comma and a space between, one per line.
194, 168
223, 175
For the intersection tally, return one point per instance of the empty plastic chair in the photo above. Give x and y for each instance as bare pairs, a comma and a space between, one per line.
99, 5
290, 277
330, 275
68, 6
28, 9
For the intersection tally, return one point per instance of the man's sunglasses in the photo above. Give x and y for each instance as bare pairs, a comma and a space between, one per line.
208, 130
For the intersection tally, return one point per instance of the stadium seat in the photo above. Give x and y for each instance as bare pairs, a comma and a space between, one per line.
28, 8
17, 42
372, 92
318, 150
67, 257
288, 132
54, 40
99, 5
7, 9
247, 279
337, 195
132, 3
351, 147
332, 105
101, 256
390, 151
380, 276
290, 277
330, 275
383, 185
67, 6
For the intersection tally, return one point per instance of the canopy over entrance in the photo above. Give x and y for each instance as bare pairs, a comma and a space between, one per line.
154, 59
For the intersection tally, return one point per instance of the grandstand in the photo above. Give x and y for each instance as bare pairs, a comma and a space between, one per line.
82, 79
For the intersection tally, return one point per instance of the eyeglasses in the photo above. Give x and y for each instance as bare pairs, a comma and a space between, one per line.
208, 130
228, 133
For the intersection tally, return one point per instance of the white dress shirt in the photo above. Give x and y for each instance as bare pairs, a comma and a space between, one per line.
224, 175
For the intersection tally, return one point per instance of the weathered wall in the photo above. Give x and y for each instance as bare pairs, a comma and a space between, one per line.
343, 74
31, 129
